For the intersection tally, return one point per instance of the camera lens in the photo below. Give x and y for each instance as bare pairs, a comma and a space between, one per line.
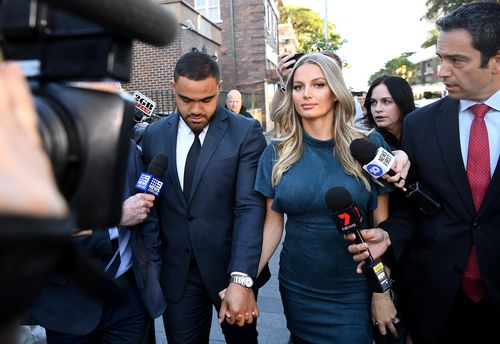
59, 140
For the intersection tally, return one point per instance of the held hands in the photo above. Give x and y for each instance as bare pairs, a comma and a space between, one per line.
401, 166
136, 208
384, 313
238, 305
376, 241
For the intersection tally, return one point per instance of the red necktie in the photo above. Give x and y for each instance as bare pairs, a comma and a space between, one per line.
478, 173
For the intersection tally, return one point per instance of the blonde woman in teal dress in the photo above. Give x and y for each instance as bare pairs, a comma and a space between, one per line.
324, 299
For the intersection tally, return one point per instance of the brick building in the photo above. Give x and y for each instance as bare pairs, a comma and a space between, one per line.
152, 67
242, 34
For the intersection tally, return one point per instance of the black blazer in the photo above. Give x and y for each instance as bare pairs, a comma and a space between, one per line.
433, 250
221, 223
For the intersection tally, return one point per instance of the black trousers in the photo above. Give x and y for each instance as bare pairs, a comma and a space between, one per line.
468, 322
123, 322
188, 321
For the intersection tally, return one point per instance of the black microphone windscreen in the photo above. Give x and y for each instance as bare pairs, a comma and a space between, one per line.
158, 165
338, 198
145, 20
363, 150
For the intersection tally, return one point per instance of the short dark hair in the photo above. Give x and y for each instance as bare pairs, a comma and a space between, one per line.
400, 91
482, 21
196, 66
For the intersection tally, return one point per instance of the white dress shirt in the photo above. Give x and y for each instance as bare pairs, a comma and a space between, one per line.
185, 139
125, 250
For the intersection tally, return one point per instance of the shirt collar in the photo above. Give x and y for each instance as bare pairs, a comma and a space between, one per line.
493, 102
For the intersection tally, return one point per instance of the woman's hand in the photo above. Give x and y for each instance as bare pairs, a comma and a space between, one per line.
384, 313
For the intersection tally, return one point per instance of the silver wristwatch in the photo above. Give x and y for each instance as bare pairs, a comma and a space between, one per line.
243, 280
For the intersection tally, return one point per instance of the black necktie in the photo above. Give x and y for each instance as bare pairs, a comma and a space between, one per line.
115, 261
191, 160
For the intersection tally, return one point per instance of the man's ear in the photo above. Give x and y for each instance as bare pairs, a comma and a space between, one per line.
496, 63
172, 84
220, 85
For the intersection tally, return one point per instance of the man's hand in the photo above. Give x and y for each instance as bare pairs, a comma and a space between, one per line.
401, 166
376, 241
238, 305
136, 208
26, 176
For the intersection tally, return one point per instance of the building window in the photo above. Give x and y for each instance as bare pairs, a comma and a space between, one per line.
209, 8
271, 20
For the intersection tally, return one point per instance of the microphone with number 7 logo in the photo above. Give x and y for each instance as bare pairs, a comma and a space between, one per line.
151, 182
348, 219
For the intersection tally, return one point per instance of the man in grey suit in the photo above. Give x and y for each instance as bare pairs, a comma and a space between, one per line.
209, 217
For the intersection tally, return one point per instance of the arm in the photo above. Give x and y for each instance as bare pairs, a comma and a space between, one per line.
383, 309
273, 231
285, 60
239, 302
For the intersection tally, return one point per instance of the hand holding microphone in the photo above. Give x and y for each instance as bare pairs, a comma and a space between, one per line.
348, 220
137, 207
378, 162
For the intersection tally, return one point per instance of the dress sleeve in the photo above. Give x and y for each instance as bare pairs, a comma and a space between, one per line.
263, 183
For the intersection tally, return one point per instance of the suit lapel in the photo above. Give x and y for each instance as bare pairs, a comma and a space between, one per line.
218, 127
493, 190
170, 147
449, 138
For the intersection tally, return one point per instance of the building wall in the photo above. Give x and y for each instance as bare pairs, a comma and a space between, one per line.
152, 67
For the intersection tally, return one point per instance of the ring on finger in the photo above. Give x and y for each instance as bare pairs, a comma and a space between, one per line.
395, 320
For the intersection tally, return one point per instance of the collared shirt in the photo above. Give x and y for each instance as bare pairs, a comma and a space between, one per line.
492, 120
123, 236
185, 139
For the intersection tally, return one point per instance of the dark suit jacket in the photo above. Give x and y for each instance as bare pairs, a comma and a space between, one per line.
67, 307
221, 223
433, 250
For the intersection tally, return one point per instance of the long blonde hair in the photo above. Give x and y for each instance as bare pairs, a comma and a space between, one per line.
289, 130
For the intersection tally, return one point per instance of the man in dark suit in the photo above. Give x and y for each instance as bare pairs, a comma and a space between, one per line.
72, 314
448, 262
209, 217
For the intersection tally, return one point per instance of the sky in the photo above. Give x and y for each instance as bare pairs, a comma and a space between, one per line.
376, 32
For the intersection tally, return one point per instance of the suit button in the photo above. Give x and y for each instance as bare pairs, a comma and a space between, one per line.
457, 269
191, 218
475, 226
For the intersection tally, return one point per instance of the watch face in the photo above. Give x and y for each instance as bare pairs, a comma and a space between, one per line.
247, 281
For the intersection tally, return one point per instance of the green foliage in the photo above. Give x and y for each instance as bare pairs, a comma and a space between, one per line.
399, 66
431, 39
436, 8
309, 28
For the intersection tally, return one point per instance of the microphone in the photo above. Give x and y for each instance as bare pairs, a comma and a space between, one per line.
145, 20
378, 161
375, 161
150, 182
348, 219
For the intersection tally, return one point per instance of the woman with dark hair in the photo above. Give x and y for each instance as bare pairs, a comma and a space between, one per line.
388, 101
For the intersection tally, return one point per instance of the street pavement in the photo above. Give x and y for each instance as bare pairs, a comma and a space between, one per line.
271, 324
